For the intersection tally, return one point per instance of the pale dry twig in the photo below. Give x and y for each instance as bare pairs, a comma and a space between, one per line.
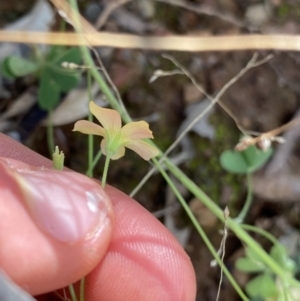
251, 64
109, 8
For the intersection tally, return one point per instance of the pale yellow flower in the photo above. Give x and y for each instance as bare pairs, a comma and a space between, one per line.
116, 137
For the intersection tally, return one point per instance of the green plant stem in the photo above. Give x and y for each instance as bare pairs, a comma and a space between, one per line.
62, 25
261, 232
202, 233
82, 285
241, 217
90, 137
275, 242
95, 161
72, 292
104, 176
50, 135
232, 225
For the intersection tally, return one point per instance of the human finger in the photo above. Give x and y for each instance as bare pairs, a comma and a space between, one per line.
55, 225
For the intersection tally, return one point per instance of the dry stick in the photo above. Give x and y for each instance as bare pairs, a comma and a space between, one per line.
184, 71
264, 140
171, 42
108, 11
208, 11
223, 248
251, 64
283, 152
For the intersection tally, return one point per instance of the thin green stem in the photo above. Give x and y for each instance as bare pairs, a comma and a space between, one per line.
104, 176
82, 286
90, 137
62, 25
244, 236
72, 292
50, 135
232, 225
202, 233
241, 217
95, 161
261, 232
275, 242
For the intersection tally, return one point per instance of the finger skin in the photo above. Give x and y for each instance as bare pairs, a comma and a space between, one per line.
39, 260
143, 262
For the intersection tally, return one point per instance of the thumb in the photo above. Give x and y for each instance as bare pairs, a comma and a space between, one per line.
55, 225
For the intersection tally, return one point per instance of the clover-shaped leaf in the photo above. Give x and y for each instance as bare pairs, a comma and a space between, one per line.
71, 55
279, 254
248, 265
65, 79
251, 263
19, 66
262, 286
49, 92
59, 79
5, 70
246, 161
54, 79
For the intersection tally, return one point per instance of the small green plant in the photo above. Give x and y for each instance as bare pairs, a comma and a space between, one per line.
58, 159
265, 285
53, 78
246, 161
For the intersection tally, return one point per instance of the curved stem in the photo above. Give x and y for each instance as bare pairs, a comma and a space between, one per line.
240, 218
72, 292
202, 234
193, 188
95, 161
261, 232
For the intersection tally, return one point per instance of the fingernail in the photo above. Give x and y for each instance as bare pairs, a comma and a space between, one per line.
64, 204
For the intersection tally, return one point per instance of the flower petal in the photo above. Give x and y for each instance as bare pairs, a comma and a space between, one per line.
120, 153
142, 148
110, 119
88, 127
136, 130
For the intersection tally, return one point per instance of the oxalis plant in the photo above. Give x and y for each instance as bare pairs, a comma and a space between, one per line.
116, 139
52, 78
265, 285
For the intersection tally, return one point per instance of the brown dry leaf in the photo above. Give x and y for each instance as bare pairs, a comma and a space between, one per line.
191, 94
74, 106
123, 75
21, 105
204, 216
277, 187
241, 277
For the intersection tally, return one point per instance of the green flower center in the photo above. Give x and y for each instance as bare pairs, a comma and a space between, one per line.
113, 142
